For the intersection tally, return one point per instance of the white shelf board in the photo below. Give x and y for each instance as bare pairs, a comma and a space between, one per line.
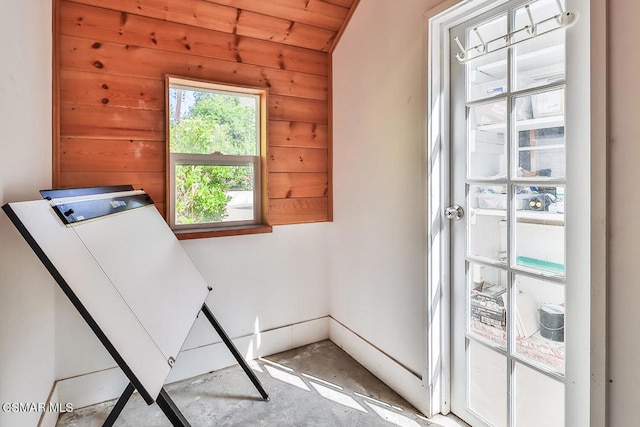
529, 62
528, 124
541, 147
545, 218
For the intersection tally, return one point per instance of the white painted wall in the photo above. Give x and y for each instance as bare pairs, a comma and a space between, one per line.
377, 244
264, 281
261, 282
624, 205
26, 289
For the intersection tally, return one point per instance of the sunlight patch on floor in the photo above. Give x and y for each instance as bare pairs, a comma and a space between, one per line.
337, 396
311, 377
287, 378
334, 393
393, 417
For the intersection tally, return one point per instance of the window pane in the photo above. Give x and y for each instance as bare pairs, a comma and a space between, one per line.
540, 308
540, 136
206, 194
487, 140
540, 229
487, 223
541, 12
486, 75
539, 399
487, 384
207, 122
488, 304
540, 60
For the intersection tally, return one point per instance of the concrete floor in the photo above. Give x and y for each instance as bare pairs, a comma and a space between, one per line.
315, 385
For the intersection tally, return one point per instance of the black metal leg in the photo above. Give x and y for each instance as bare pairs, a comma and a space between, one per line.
171, 410
120, 404
243, 363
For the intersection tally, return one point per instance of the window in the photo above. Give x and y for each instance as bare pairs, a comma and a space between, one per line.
216, 136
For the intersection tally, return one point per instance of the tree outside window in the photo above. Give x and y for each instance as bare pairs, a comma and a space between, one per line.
214, 144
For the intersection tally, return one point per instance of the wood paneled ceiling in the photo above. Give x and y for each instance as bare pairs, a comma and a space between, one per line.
311, 24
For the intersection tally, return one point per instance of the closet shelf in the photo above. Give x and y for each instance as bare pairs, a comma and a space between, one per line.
528, 124
530, 217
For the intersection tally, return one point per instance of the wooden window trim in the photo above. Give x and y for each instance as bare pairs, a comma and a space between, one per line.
224, 232
232, 230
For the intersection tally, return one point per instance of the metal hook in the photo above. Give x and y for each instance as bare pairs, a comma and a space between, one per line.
531, 29
463, 54
482, 47
564, 18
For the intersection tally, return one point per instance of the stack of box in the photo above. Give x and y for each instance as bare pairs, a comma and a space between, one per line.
488, 306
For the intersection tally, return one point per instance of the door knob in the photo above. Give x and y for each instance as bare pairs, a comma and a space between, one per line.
454, 212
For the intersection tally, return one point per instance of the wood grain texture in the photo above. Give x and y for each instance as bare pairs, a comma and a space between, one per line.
263, 27
286, 108
295, 134
117, 155
317, 13
224, 232
84, 121
344, 3
338, 35
290, 159
108, 25
197, 13
300, 210
86, 88
294, 185
227, 19
129, 60
111, 59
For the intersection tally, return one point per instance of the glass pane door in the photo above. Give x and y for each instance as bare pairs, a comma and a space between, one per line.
509, 250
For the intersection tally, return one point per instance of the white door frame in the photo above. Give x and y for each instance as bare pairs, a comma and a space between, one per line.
586, 101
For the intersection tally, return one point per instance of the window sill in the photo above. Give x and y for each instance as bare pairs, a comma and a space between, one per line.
223, 231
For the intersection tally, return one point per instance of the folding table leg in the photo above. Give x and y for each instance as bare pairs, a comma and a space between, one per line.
171, 410
243, 363
122, 401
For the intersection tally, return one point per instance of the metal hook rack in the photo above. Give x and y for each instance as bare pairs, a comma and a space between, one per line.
562, 19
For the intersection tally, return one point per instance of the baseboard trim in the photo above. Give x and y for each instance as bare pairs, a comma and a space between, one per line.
96, 387
50, 418
388, 370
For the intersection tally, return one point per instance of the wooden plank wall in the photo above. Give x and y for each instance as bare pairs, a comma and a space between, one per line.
110, 61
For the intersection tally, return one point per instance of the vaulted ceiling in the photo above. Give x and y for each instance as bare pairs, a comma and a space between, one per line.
312, 24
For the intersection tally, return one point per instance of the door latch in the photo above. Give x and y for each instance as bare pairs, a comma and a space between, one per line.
454, 212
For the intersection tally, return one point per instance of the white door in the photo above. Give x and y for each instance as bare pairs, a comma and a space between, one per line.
508, 248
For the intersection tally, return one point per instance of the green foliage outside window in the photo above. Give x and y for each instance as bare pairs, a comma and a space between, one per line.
210, 123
